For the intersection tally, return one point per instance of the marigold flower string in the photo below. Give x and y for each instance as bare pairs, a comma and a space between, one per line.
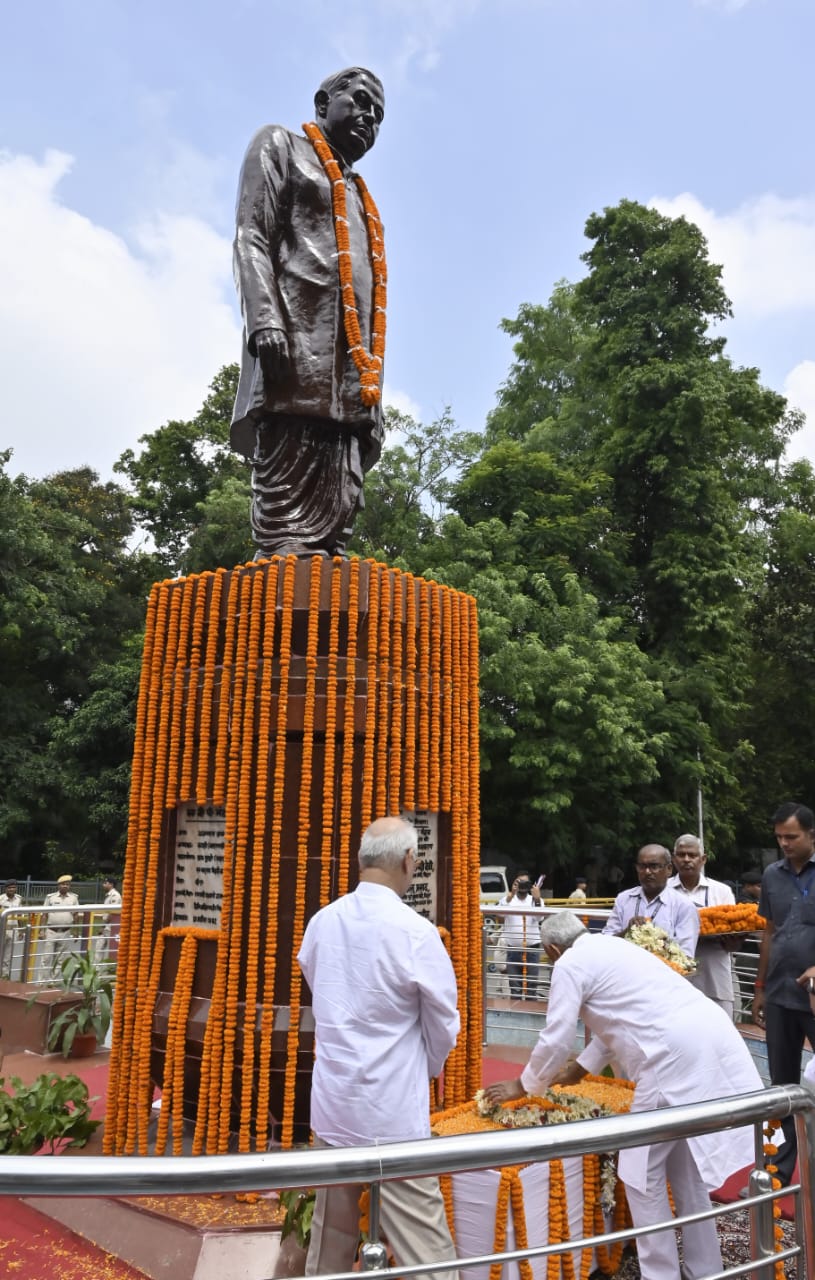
202, 789
259, 880
382, 803
182, 658
201, 587
409, 770
369, 758
423, 767
274, 853
246, 950
435, 695
225, 692
303, 834
237, 817
131, 937
329, 778
157, 806
348, 726
394, 748
116, 1112
369, 363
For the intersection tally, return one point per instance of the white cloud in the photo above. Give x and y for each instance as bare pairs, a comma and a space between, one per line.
766, 247
101, 342
799, 388
392, 398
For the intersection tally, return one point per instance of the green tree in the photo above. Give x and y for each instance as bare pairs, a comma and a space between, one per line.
179, 467
780, 715
567, 702
410, 489
72, 593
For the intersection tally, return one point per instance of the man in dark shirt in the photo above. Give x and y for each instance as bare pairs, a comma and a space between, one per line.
781, 1006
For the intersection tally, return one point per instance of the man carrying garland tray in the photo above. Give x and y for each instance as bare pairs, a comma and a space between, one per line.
309, 261
677, 1046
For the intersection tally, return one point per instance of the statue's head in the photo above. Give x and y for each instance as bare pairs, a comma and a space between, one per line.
350, 107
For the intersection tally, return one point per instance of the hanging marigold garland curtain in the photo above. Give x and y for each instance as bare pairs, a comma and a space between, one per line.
232, 676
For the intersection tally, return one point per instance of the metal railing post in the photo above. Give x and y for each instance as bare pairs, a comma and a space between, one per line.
805, 1200
762, 1236
373, 1256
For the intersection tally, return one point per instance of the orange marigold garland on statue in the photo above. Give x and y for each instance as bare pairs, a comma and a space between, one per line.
369, 363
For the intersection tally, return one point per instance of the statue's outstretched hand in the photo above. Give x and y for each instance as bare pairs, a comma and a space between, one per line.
272, 347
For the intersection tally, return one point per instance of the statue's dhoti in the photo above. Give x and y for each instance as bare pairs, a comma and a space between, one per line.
306, 487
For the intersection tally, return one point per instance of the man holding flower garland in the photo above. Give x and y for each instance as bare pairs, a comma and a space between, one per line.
714, 973
309, 263
653, 900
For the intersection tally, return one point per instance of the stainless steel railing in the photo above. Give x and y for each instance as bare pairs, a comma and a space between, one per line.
145, 1175
31, 950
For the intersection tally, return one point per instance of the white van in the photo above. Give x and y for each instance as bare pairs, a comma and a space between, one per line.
494, 885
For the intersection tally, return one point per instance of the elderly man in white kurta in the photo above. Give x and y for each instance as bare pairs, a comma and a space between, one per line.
678, 1047
714, 973
386, 1017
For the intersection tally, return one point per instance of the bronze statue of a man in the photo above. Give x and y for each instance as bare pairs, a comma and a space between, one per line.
310, 271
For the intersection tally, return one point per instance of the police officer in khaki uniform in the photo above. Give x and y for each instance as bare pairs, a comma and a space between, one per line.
60, 939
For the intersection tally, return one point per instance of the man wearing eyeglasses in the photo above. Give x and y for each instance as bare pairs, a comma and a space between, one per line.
653, 900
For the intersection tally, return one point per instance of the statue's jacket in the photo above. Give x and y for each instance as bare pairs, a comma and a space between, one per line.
285, 263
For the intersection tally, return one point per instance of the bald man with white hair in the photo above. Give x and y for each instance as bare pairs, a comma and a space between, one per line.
677, 1047
714, 972
386, 1016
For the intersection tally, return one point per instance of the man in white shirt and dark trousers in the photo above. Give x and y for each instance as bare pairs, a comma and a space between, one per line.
521, 936
386, 1017
714, 973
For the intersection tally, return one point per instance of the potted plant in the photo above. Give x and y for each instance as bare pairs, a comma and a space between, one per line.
53, 1113
80, 1028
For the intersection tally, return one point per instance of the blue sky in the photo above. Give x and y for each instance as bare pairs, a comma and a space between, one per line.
123, 126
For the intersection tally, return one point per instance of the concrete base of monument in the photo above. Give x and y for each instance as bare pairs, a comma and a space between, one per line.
197, 1237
